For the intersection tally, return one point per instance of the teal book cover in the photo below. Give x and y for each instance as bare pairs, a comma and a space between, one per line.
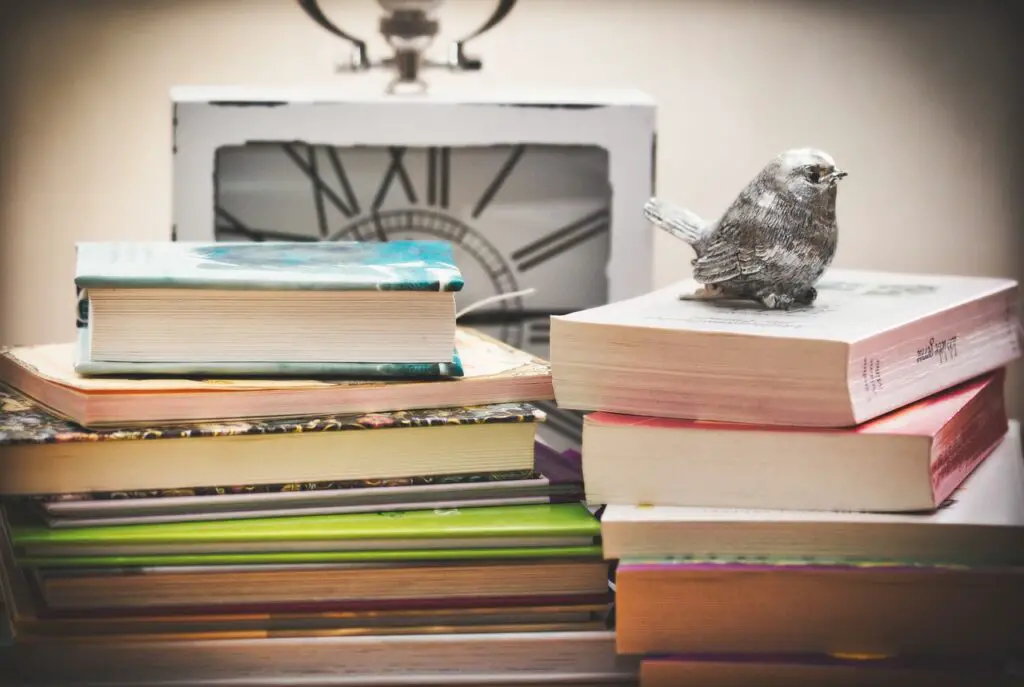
270, 265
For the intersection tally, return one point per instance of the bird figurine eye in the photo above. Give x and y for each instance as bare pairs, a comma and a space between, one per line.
814, 174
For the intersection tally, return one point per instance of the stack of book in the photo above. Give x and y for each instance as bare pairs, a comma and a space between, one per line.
213, 484
830, 495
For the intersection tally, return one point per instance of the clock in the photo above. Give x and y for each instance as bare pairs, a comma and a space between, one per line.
539, 193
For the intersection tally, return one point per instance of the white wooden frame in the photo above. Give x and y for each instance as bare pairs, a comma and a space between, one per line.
621, 122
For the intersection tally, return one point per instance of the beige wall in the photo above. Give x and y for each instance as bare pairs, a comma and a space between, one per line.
914, 99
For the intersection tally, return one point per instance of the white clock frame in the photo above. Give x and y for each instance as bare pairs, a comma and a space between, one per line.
621, 122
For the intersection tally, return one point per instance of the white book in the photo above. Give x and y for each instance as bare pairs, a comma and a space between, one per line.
871, 343
982, 523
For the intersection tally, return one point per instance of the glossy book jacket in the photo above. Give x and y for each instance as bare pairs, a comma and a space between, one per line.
270, 265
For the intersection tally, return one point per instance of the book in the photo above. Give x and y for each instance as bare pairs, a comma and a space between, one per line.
766, 606
365, 622
43, 454
508, 659
982, 523
555, 478
195, 591
809, 670
556, 527
910, 459
191, 592
493, 372
872, 342
276, 308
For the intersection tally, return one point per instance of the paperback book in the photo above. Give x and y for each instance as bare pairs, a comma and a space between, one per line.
871, 343
43, 454
493, 372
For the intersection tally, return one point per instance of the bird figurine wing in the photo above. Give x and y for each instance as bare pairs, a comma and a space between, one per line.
731, 251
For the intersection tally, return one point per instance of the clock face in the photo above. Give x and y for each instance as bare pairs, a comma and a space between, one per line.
517, 216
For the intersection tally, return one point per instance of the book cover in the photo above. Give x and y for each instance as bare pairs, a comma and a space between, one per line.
47, 373
555, 520
852, 305
551, 468
23, 422
277, 265
924, 418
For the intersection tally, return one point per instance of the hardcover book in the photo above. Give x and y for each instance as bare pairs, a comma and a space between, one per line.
911, 459
271, 308
269, 265
871, 343
493, 372
43, 454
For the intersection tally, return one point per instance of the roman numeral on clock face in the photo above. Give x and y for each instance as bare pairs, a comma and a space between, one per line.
438, 175
309, 163
438, 178
499, 180
561, 240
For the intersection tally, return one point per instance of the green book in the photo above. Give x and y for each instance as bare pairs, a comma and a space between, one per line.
567, 529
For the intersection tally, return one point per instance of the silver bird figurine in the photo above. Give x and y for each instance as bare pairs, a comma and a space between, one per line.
775, 240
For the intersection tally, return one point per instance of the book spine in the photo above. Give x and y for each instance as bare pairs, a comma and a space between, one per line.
81, 307
964, 442
904, 365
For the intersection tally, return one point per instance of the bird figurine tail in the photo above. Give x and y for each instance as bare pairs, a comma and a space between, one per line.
677, 221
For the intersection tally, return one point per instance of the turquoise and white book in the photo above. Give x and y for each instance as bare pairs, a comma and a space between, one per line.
363, 309
270, 265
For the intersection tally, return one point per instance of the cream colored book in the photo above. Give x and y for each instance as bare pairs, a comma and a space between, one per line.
981, 523
871, 343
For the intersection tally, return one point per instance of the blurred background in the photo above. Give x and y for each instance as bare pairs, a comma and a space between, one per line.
919, 101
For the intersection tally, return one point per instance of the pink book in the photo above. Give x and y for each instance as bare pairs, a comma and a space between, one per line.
910, 459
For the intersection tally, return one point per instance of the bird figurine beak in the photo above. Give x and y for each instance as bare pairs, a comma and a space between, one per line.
837, 174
